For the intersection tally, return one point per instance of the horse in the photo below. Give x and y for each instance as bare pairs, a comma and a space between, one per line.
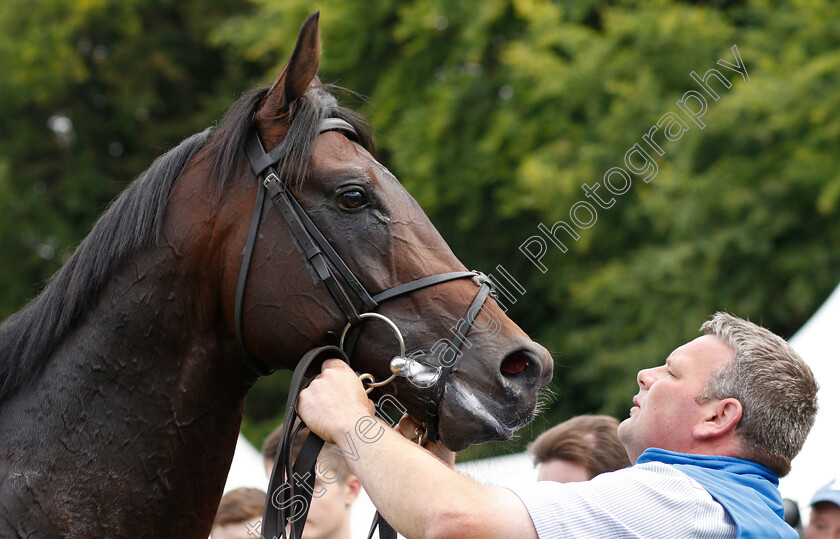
122, 384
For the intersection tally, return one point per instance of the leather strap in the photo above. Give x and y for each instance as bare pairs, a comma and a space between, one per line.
284, 475
261, 160
385, 529
432, 408
334, 258
422, 283
309, 246
257, 367
399, 290
304, 230
337, 124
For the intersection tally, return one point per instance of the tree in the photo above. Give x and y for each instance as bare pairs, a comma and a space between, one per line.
91, 93
495, 114
500, 117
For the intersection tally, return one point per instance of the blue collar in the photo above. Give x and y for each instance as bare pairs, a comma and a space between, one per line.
748, 491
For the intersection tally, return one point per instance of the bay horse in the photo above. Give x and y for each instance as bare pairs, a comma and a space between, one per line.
122, 384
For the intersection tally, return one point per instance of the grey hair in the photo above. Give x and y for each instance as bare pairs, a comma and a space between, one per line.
776, 388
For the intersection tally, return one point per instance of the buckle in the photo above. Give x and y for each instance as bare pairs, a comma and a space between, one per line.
270, 178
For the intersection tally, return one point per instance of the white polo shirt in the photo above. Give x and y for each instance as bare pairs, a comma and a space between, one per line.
648, 500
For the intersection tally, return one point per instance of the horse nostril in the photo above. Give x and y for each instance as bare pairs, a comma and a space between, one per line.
515, 363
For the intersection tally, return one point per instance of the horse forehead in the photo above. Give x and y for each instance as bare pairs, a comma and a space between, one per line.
335, 154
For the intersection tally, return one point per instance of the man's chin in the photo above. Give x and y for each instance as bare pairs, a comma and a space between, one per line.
625, 431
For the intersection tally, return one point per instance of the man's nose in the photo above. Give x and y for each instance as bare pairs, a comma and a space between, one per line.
646, 378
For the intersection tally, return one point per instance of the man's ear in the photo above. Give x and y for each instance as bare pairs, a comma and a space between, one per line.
721, 418
299, 71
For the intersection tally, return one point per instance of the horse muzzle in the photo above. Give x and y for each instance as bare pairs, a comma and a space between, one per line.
480, 406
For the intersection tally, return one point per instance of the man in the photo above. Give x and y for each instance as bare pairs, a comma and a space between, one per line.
239, 514
710, 433
579, 449
825, 514
333, 496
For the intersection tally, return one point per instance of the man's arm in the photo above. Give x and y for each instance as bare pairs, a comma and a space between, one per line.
415, 492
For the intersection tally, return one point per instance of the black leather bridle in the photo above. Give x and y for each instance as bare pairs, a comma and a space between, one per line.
329, 266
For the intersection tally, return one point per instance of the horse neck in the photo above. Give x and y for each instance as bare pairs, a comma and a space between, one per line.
139, 408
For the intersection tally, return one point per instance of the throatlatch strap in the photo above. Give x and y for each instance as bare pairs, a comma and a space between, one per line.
257, 367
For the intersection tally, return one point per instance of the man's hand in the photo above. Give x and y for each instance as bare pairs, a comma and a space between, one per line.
334, 401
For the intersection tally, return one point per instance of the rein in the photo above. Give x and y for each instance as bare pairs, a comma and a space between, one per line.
329, 266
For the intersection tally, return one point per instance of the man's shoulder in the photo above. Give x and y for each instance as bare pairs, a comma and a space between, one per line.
653, 499
650, 471
652, 483
653, 478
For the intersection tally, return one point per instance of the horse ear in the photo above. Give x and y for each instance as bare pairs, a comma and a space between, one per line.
300, 70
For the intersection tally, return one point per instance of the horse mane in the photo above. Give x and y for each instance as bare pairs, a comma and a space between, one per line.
131, 223
134, 219
317, 104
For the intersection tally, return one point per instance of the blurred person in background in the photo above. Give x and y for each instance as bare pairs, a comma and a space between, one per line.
825, 513
329, 509
239, 515
793, 516
579, 449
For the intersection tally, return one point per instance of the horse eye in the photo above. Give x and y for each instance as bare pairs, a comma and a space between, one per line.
352, 200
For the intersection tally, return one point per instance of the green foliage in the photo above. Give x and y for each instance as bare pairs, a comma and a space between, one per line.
264, 407
92, 91
494, 114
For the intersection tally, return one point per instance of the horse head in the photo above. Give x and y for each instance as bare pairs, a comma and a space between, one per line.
378, 229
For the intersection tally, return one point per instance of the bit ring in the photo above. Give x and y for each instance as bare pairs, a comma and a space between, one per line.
372, 381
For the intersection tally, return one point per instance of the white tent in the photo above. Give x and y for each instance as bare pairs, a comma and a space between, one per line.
247, 469
817, 463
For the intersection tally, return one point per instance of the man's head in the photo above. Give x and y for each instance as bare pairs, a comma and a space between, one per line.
335, 490
825, 514
579, 449
738, 391
239, 514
